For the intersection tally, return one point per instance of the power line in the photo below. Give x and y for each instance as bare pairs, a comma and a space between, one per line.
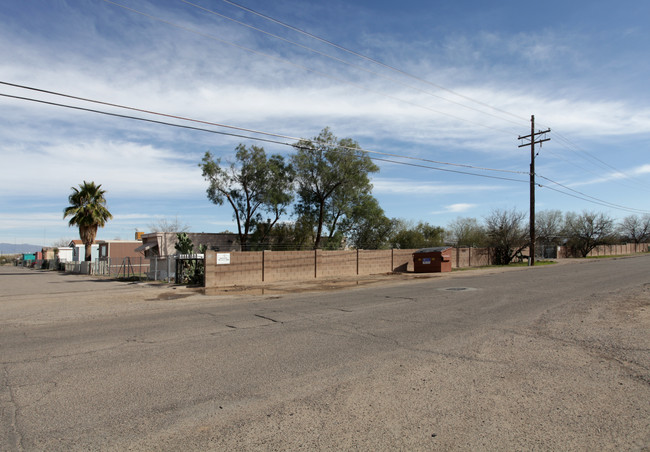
118, 115
400, 71
151, 112
592, 201
282, 60
305, 68
367, 58
243, 129
340, 60
449, 170
182, 126
587, 197
294, 145
589, 157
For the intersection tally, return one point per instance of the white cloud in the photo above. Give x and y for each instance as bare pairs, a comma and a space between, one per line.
113, 55
460, 207
455, 209
419, 188
122, 168
643, 169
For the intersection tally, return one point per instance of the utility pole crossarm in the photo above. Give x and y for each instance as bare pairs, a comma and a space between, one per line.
532, 138
529, 137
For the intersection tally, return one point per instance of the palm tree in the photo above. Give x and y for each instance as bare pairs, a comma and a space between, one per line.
88, 211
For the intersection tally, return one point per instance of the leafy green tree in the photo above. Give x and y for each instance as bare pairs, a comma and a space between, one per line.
507, 234
587, 231
366, 225
406, 235
253, 185
88, 211
329, 172
279, 194
289, 236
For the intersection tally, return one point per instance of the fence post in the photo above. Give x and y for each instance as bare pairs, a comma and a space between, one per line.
357, 261
263, 261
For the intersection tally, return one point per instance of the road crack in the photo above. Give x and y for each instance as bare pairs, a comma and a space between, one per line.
267, 318
9, 412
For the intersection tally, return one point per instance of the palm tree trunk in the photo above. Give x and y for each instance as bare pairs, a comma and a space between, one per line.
87, 235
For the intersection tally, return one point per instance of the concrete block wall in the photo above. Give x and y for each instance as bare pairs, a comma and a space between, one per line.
270, 266
336, 263
244, 268
617, 250
372, 262
403, 260
288, 265
470, 257
609, 250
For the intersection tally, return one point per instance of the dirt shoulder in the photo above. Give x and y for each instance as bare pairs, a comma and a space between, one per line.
349, 282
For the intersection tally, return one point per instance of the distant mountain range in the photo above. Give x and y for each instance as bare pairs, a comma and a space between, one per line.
12, 248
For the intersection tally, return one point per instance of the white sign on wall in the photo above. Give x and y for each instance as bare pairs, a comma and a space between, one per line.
223, 258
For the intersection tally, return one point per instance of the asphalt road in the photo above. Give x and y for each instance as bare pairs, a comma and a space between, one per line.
553, 357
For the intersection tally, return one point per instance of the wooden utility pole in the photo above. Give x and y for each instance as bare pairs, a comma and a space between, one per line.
532, 137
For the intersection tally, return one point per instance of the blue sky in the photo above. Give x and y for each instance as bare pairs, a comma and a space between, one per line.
471, 74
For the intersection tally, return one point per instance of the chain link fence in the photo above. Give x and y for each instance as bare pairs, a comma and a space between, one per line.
162, 268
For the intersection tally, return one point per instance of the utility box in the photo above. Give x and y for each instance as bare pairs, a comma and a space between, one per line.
432, 260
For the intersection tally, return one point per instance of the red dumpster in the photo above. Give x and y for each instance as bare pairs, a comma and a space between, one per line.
432, 260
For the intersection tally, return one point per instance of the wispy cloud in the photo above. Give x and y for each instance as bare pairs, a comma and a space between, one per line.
420, 188
98, 51
456, 208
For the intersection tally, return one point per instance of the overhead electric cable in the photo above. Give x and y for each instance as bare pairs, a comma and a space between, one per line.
621, 176
243, 129
625, 209
340, 60
294, 145
568, 144
448, 170
573, 147
372, 60
283, 24
91, 110
582, 197
592, 198
305, 68
69, 96
330, 76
